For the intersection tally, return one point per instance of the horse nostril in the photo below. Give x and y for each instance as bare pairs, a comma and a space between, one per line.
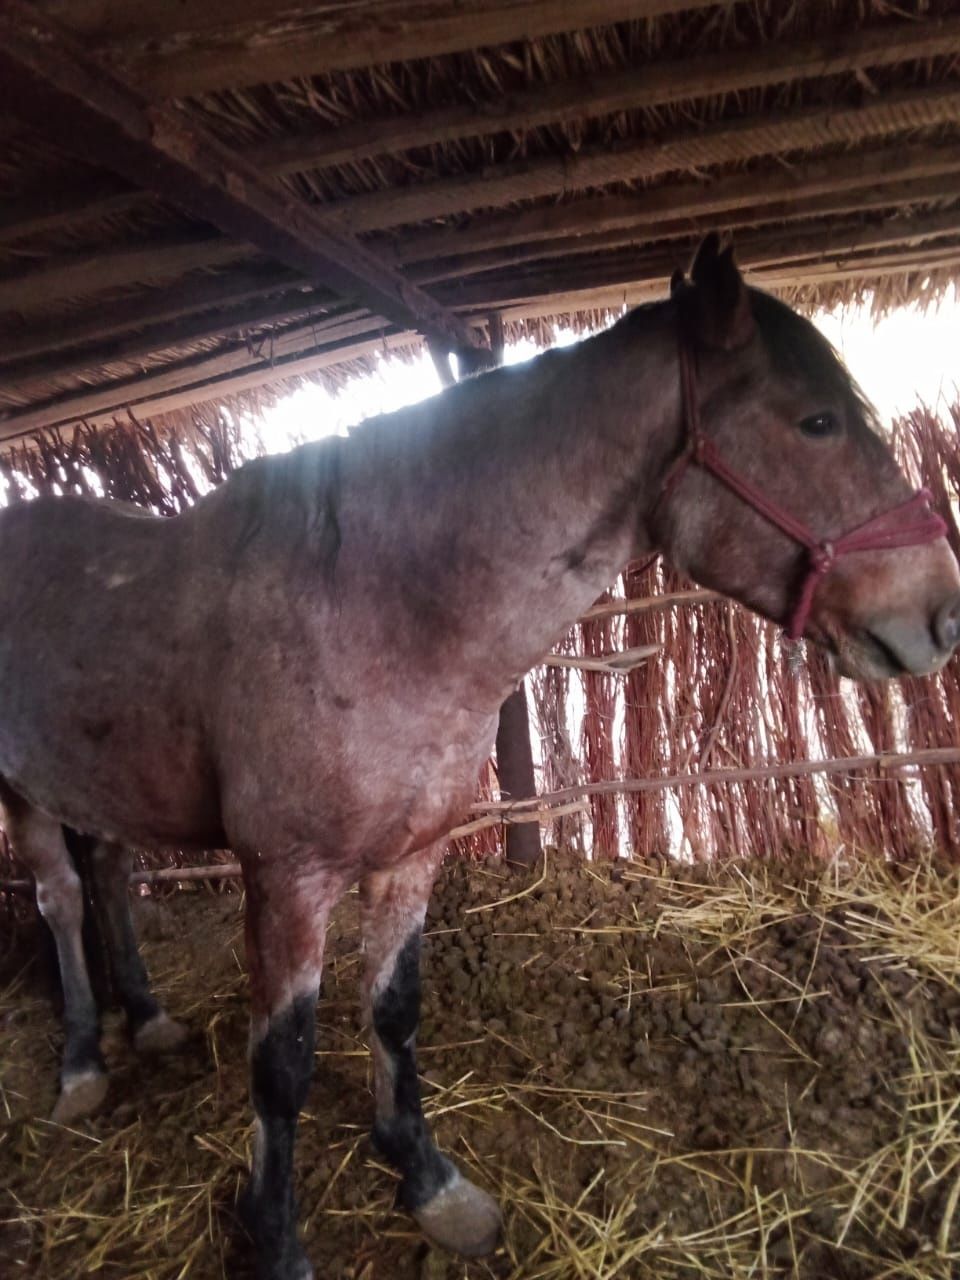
946, 624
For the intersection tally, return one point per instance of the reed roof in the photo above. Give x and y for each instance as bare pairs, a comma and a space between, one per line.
200, 201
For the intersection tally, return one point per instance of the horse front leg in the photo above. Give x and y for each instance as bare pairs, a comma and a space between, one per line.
450, 1209
151, 1030
286, 918
38, 841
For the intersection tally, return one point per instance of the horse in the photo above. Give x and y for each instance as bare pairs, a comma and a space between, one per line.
307, 665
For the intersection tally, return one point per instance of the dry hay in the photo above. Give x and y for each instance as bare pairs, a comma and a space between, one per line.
712, 1072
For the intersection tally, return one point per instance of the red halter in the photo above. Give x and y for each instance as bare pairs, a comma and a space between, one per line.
909, 524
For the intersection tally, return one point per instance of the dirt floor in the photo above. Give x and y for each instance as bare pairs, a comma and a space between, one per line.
743, 1071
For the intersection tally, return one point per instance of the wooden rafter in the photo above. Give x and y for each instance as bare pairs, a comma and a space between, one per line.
234, 54
306, 348
685, 149
155, 339
268, 359
762, 250
848, 172
655, 85
592, 215
157, 306
559, 103
89, 344
64, 205
47, 78
94, 272
245, 377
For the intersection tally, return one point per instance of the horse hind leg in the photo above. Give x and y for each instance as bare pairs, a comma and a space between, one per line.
38, 842
456, 1214
151, 1030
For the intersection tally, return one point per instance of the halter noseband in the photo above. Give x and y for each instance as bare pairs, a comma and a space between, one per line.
909, 524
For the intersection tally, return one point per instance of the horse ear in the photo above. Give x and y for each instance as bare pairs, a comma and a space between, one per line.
677, 281
722, 316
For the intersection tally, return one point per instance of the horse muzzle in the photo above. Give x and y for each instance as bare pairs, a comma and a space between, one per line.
902, 643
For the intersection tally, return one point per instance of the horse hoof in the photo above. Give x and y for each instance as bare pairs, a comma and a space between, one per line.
462, 1218
80, 1096
160, 1035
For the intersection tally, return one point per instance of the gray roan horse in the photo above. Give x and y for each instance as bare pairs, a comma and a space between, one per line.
308, 665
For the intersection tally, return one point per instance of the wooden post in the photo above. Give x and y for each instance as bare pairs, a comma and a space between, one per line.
514, 754
515, 771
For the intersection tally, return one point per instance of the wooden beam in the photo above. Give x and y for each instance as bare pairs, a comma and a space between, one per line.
220, 387
232, 53
927, 757
886, 197
48, 79
682, 150
652, 85
164, 337
566, 298
855, 171
774, 252
84, 273
154, 306
655, 84
197, 370
65, 204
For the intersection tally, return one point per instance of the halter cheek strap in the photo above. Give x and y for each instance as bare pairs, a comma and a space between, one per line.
909, 524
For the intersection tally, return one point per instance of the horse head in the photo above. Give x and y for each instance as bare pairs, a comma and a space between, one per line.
784, 493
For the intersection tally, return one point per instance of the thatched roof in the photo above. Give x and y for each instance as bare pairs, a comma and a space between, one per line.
200, 199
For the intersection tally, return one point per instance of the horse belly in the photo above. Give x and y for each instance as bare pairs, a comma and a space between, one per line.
134, 771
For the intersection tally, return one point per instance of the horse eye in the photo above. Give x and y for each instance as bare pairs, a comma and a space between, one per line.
820, 424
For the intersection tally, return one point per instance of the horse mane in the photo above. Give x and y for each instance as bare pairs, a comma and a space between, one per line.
798, 350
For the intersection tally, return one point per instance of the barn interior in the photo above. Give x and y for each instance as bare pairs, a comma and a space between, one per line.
738, 959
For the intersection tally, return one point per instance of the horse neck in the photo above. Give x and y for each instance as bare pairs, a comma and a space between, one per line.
540, 485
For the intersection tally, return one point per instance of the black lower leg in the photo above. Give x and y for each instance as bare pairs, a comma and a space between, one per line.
401, 1132
281, 1067
130, 980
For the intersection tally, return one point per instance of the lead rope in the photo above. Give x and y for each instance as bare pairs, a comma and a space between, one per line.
909, 524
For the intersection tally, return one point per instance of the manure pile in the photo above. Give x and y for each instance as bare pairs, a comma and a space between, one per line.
664, 1073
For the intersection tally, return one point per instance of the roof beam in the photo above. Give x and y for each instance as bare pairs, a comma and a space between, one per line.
325, 339
48, 79
657, 84
65, 205
154, 306
233, 53
771, 257
859, 171
894, 196
775, 249
156, 338
85, 273
683, 149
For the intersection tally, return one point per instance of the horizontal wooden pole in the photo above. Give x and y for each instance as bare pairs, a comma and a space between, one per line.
650, 604
655, 84
552, 803
679, 151
774, 184
933, 756
619, 663
49, 79
362, 37
66, 203
284, 358
190, 295
269, 312
78, 274
735, 220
